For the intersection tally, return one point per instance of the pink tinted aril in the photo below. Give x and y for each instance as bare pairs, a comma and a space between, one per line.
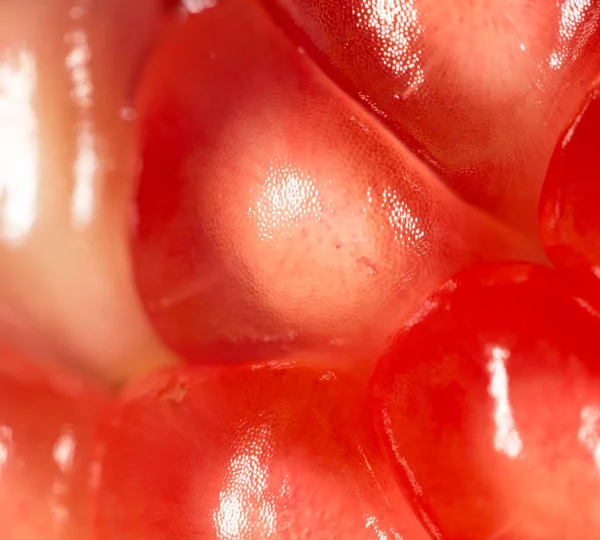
273, 214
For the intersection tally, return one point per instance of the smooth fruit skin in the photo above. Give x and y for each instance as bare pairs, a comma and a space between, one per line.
67, 73
570, 202
489, 404
246, 453
273, 214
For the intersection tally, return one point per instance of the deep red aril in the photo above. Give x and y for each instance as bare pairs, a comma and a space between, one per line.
481, 87
246, 453
273, 213
570, 202
48, 427
489, 404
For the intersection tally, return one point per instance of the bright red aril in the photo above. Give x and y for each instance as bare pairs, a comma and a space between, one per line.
489, 404
570, 202
48, 427
273, 213
480, 89
254, 452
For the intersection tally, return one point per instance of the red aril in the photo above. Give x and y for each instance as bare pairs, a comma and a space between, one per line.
249, 453
273, 213
489, 403
570, 202
48, 427
479, 88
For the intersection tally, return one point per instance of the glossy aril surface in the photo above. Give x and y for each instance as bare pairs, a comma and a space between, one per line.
246, 453
489, 404
308, 172
480, 89
68, 69
273, 213
570, 203
48, 427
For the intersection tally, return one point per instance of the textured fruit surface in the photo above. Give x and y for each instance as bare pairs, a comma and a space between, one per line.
246, 453
570, 203
48, 427
480, 89
489, 403
273, 213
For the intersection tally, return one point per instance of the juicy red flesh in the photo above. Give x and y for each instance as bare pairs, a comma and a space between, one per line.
273, 213
255, 452
570, 203
479, 89
48, 433
489, 404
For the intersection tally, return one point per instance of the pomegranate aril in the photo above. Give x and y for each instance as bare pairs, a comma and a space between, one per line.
246, 453
489, 404
479, 88
67, 71
273, 213
570, 202
48, 425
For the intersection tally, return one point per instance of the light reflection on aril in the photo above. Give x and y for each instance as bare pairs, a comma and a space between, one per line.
18, 146
506, 439
397, 27
245, 503
288, 198
198, 6
86, 163
64, 450
63, 453
372, 523
6, 442
404, 224
589, 432
574, 13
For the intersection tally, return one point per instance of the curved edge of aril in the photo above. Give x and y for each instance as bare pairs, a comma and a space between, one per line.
569, 221
246, 452
487, 403
293, 221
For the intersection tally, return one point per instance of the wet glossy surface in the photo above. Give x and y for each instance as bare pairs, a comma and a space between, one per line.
243, 454
67, 70
481, 89
273, 213
47, 434
276, 215
489, 403
570, 203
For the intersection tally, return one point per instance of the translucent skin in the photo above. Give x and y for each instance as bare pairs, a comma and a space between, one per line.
489, 404
467, 84
569, 209
300, 433
67, 70
254, 453
48, 424
274, 214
